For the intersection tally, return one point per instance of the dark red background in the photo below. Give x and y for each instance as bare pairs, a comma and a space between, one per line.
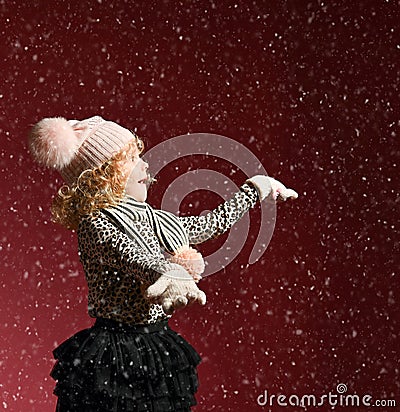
311, 88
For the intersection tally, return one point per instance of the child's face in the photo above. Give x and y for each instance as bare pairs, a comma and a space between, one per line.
135, 169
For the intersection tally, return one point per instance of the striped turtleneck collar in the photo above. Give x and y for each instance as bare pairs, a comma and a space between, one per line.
173, 238
129, 200
166, 226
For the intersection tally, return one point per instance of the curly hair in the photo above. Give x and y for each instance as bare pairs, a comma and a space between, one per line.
94, 189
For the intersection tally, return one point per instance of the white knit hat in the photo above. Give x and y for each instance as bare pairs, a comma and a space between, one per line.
72, 146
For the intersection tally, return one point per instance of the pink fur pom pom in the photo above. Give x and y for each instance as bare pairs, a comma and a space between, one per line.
191, 260
53, 142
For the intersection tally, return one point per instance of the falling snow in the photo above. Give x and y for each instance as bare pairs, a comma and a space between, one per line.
311, 89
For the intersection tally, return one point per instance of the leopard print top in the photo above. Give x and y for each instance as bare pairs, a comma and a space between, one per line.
118, 269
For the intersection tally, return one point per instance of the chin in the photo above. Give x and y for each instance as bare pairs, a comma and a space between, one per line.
139, 197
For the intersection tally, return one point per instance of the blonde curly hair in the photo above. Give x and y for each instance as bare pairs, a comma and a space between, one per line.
94, 189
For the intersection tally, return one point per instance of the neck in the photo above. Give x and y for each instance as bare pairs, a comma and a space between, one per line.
133, 202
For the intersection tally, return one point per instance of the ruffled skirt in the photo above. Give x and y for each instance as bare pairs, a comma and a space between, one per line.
115, 367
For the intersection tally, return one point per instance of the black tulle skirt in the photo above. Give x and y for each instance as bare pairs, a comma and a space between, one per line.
115, 367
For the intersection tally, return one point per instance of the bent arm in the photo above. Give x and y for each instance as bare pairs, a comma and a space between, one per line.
100, 239
219, 220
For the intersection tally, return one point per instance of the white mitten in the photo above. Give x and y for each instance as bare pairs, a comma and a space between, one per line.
175, 289
271, 188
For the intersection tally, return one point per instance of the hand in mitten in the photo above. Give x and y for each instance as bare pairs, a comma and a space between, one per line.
271, 189
191, 260
175, 289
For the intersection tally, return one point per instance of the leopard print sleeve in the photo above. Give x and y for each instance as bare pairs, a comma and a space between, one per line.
102, 242
218, 221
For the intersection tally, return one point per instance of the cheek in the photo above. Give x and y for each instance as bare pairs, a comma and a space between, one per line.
132, 179
125, 169
135, 172
128, 170
128, 178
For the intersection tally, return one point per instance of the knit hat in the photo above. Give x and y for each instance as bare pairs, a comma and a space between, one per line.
73, 146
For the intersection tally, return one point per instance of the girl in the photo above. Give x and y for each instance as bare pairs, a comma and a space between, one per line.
130, 359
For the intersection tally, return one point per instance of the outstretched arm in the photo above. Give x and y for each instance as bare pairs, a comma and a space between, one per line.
219, 220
